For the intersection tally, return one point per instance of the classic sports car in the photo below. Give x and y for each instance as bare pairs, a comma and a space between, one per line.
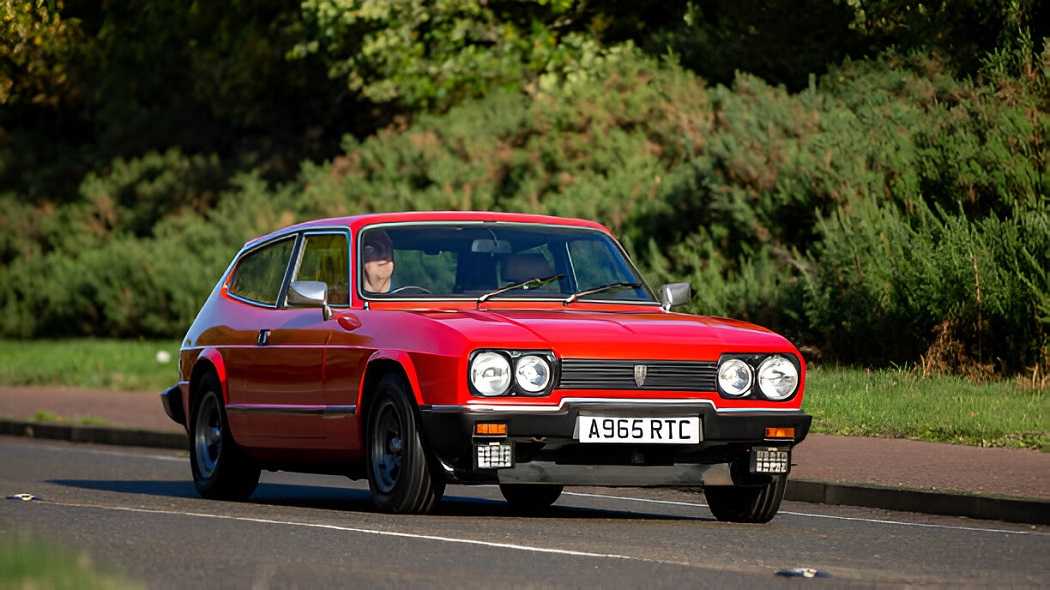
417, 349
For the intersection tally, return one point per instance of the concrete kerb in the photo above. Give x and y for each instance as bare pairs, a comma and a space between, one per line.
1022, 510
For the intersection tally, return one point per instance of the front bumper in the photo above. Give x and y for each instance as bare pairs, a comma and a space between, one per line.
171, 399
546, 451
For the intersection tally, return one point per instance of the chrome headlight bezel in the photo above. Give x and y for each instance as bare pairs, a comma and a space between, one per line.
755, 361
767, 365
739, 364
513, 358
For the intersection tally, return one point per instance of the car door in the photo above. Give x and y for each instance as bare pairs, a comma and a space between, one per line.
276, 394
326, 257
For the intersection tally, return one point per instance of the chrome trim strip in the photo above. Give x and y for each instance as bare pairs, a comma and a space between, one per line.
328, 411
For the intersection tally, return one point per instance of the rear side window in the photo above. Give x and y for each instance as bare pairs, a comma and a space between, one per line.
324, 258
259, 275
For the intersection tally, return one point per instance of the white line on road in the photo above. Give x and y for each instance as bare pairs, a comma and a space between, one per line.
830, 516
66, 449
512, 546
611, 497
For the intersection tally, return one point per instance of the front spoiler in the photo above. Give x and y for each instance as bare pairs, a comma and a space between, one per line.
683, 474
171, 399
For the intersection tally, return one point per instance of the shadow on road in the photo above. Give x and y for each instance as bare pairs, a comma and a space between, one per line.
354, 500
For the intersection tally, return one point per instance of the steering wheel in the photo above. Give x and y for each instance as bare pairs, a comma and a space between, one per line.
400, 289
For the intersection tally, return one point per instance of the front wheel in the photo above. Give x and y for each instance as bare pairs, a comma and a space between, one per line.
221, 471
746, 504
400, 475
530, 497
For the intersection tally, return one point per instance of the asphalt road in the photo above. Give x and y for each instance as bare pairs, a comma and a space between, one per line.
136, 511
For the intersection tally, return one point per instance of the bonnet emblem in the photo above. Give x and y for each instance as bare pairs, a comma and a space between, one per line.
639, 374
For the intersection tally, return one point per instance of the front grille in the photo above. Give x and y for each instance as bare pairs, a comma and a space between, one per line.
660, 375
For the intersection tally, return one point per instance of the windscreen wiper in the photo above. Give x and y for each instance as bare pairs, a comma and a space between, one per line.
609, 287
529, 284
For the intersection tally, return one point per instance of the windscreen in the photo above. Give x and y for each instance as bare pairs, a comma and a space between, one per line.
468, 261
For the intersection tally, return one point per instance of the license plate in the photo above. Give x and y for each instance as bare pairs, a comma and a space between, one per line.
611, 429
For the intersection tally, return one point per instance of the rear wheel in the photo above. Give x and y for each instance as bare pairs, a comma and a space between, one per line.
400, 472
221, 471
530, 497
747, 504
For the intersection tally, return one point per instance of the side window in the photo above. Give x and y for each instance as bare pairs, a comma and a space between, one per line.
259, 275
324, 258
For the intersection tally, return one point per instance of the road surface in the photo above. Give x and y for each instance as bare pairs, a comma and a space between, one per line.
136, 512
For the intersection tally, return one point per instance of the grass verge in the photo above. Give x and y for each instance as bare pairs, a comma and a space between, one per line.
130, 365
900, 403
33, 564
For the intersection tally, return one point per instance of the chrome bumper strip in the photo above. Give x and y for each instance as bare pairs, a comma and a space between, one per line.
597, 403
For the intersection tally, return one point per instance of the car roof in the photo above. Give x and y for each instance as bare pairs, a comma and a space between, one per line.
355, 222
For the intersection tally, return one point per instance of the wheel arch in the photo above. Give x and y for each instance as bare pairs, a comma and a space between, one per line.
381, 363
208, 361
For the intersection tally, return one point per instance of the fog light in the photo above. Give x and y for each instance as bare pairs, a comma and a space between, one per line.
495, 455
770, 460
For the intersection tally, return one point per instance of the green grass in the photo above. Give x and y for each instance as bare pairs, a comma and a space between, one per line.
49, 417
28, 564
129, 365
900, 403
847, 401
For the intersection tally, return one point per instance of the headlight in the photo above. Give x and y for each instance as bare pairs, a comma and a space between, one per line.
532, 373
490, 373
735, 377
777, 377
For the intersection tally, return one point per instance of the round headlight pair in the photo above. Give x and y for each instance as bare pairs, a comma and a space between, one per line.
777, 377
490, 373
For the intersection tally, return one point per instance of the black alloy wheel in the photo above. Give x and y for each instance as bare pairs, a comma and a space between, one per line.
756, 504
530, 497
221, 470
401, 475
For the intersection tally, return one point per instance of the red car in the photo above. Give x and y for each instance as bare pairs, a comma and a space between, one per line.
417, 349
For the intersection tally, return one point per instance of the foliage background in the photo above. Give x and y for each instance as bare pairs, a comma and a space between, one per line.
870, 177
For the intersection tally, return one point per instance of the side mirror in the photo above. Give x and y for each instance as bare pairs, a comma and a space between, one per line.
310, 294
674, 294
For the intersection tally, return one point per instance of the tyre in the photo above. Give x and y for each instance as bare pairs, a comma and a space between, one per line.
746, 504
530, 497
221, 470
400, 472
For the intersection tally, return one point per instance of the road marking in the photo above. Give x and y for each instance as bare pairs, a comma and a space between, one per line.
378, 532
829, 516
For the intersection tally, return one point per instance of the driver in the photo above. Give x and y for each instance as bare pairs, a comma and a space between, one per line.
378, 255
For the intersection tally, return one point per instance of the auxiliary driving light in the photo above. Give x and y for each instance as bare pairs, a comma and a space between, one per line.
495, 455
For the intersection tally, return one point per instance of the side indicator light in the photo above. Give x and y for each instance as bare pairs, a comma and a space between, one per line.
490, 429
780, 432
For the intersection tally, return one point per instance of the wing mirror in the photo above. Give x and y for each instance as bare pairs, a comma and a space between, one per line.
674, 294
310, 294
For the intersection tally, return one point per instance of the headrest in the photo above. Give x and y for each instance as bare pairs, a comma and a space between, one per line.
522, 267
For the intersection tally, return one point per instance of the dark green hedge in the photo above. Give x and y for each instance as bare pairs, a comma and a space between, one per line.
890, 207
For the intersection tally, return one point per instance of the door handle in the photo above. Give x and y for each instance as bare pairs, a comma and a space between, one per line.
264, 337
348, 322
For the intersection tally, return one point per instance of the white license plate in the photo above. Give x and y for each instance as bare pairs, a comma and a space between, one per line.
611, 429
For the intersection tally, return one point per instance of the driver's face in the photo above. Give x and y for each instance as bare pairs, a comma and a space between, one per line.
378, 273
